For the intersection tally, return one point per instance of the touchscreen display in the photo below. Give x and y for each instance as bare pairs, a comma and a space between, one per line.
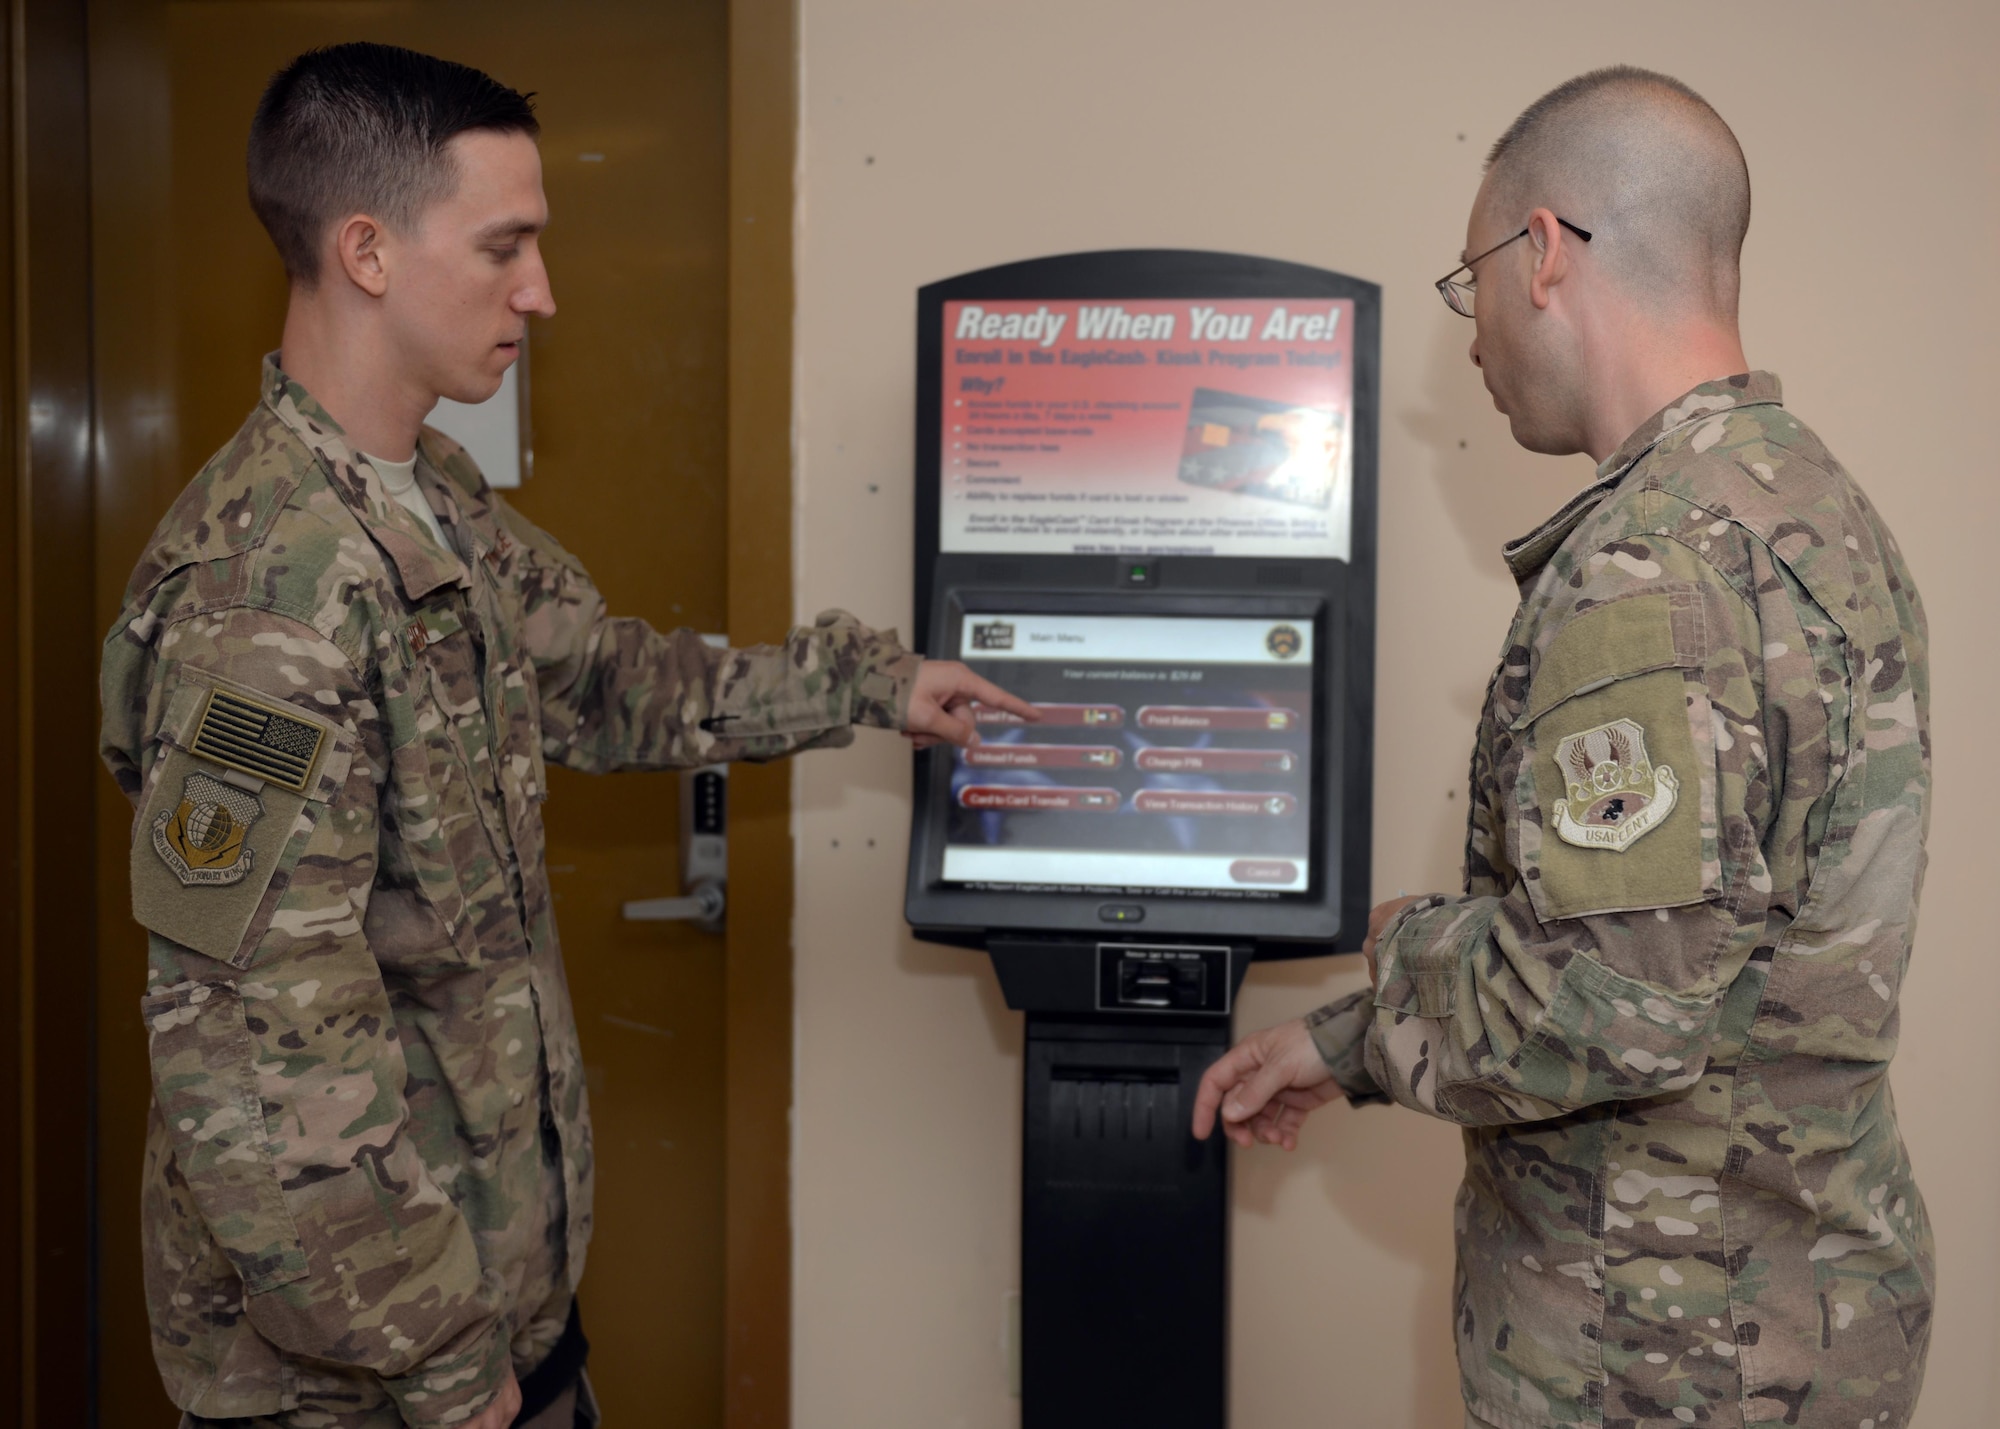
1173, 756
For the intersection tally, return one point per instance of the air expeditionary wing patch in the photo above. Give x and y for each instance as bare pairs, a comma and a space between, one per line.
202, 838
236, 794
1616, 795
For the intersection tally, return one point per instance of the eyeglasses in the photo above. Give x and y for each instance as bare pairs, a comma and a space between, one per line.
1458, 296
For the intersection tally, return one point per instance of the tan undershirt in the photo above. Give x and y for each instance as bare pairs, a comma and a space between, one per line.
399, 479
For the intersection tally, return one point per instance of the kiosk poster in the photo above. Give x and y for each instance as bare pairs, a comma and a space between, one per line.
1149, 427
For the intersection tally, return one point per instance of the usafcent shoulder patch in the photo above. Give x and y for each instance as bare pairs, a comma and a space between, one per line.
1616, 794
203, 837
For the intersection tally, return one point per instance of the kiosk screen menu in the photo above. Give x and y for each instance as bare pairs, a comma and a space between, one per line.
1173, 756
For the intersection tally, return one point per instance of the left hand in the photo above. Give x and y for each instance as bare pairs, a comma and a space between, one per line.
502, 1409
940, 704
1264, 1088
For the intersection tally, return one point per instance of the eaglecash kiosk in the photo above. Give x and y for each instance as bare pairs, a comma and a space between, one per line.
1146, 503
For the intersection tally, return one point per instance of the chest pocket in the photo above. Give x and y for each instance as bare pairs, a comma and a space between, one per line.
241, 783
1615, 796
439, 766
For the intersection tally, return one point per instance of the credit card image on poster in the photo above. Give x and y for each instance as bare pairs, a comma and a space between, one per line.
1256, 447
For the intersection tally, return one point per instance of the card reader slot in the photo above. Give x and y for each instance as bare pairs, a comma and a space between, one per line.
1162, 983
1163, 978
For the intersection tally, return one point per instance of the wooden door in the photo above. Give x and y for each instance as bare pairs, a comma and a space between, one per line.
632, 471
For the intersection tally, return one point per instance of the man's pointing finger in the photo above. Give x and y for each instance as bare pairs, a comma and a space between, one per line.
988, 693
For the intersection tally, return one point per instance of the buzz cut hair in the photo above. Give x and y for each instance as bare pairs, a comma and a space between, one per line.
363, 128
1584, 85
1647, 165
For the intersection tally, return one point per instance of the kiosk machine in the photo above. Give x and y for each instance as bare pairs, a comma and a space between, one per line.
1146, 503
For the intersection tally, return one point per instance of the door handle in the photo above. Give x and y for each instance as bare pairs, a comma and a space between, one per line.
704, 906
704, 848
704, 856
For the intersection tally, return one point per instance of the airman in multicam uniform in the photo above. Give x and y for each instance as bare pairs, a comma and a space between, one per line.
369, 1142
1664, 1005
332, 700
1686, 1199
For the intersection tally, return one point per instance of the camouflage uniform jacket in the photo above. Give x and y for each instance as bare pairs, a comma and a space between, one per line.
369, 1158
1664, 1007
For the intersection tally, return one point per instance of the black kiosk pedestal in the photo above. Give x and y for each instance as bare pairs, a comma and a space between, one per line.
1146, 504
1124, 1216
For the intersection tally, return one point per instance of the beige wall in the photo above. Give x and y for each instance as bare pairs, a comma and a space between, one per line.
944, 137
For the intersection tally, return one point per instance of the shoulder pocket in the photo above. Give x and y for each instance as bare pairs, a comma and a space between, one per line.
1617, 786
241, 782
204, 1083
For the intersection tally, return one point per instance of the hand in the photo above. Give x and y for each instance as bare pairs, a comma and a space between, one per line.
1378, 919
1266, 1086
501, 1409
940, 703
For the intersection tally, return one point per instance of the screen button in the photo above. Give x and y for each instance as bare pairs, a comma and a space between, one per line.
1214, 802
1056, 716
1280, 871
1121, 912
1039, 798
1042, 756
1172, 759
1208, 717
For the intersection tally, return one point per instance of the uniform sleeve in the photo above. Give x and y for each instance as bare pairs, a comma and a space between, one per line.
277, 1070
1634, 790
617, 694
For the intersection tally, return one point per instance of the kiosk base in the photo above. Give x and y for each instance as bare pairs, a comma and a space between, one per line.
1124, 1230
1124, 1215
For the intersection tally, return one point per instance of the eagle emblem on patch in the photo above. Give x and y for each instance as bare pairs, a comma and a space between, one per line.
202, 837
1616, 794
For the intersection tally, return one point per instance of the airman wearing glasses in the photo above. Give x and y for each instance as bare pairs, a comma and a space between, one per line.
1663, 1004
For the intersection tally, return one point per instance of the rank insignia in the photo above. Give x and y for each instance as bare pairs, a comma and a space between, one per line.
1616, 795
202, 838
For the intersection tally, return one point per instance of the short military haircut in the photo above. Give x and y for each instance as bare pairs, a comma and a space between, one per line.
362, 128
1646, 165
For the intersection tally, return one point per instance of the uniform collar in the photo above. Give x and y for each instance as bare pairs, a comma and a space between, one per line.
1526, 555
422, 566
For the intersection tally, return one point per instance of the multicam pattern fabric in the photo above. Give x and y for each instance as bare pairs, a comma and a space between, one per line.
1686, 1200
368, 1176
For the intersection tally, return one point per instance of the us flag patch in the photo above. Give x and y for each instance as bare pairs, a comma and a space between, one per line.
258, 739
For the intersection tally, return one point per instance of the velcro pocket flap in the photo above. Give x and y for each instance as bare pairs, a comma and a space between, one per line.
1617, 787
214, 846
204, 1083
1628, 636
1420, 969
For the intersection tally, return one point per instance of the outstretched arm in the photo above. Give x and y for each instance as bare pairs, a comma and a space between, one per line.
1635, 791
617, 694
1264, 1087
